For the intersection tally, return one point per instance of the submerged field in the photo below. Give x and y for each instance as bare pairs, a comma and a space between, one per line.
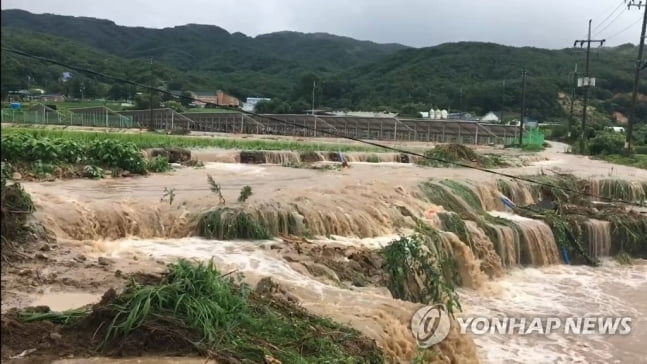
334, 262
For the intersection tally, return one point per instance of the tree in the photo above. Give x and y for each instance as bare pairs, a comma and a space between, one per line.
142, 101
186, 98
174, 105
409, 111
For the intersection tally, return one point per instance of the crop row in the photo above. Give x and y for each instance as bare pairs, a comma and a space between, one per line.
106, 153
150, 140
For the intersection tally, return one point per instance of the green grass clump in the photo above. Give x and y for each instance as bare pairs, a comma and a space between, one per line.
158, 164
373, 159
621, 189
453, 223
453, 197
229, 223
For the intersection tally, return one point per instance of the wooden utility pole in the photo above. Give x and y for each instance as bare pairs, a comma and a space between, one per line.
523, 105
502, 100
639, 66
570, 119
586, 82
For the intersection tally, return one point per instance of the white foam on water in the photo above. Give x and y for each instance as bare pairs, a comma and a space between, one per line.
368, 243
510, 216
247, 169
610, 290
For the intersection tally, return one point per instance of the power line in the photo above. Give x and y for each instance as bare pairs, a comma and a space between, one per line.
610, 14
625, 29
294, 124
610, 23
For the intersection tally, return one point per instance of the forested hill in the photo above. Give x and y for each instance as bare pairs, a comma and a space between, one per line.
469, 76
207, 47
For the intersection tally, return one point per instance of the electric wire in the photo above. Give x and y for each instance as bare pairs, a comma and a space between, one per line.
306, 127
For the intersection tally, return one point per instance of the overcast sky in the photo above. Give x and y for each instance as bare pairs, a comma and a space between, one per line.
418, 23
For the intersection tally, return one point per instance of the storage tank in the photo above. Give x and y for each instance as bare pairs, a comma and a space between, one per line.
432, 114
443, 114
438, 114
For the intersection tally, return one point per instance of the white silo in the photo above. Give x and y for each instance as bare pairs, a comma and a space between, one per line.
432, 114
443, 114
438, 114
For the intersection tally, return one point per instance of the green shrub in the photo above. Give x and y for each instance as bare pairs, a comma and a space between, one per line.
158, 164
640, 149
40, 169
93, 172
606, 143
113, 153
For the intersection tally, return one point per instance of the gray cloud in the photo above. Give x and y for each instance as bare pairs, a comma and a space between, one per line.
419, 23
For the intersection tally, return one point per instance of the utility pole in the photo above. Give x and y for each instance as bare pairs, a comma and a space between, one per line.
502, 100
460, 100
150, 100
586, 82
314, 84
570, 119
523, 105
639, 61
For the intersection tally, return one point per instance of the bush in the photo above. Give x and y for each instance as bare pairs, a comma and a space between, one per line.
640, 149
606, 143
158, 164
112, 153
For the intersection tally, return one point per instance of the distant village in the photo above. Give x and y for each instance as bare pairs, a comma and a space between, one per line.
221, 98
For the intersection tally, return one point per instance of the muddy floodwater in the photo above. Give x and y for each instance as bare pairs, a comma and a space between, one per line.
115, 226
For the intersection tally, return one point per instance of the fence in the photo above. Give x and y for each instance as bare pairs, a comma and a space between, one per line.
533, 137
438, 131
100, 117
32, 117
77, 117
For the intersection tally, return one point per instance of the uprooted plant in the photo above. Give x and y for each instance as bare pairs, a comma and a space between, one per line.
421, 270
245, 193
16, 206
218, 316
215, 188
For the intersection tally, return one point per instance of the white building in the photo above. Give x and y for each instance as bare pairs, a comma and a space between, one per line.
250, 104
490, 118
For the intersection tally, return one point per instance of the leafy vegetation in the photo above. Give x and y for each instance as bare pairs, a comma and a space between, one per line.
229, 223
222, 317
111, 153
151, 140
636, 160
421, 270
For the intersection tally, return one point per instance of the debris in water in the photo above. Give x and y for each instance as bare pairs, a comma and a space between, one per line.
23, 354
